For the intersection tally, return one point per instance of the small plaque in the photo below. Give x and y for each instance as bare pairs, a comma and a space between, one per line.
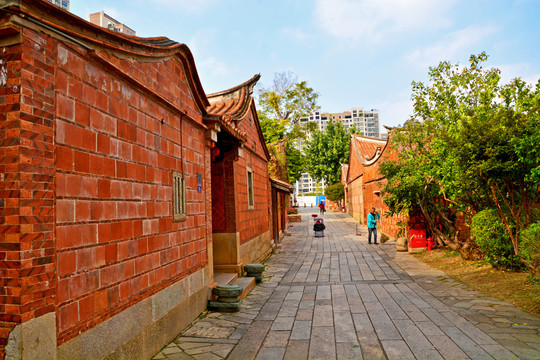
199, 182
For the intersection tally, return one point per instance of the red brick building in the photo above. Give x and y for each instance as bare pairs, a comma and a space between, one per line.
241, 202
363, 182
108, 161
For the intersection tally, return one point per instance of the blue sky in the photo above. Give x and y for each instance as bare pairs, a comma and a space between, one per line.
354, 53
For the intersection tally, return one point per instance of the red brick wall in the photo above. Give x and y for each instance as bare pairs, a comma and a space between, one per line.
27, 167
252, 223
364, 188
116, 150
373, 185
99, 201
10, 246
218, 198
355, 199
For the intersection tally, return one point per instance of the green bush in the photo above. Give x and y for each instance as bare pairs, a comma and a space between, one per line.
530, 248
493, 240
335, 192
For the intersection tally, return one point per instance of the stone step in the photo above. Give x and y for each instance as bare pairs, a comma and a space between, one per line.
225, 278
246, 283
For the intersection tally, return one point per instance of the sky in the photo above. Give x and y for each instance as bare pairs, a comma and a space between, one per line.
354, 53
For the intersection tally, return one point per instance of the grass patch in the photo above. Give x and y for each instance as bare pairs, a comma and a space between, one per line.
508, 286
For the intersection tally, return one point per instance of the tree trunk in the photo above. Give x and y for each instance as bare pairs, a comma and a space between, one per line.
505, 220
442, 239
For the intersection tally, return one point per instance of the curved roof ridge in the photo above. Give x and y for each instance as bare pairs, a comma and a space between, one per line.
378, 154
232, 103
249, 83
92, 37
363, 137
368, 148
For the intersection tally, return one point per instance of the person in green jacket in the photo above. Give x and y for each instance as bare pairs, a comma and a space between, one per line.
372, 218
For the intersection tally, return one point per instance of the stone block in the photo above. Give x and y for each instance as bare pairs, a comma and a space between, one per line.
254, 270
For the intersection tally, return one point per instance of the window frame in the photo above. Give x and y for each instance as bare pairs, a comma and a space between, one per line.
179, 196
250, 189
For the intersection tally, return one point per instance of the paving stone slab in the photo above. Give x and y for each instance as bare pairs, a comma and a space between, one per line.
250, 343
322, 344
297, 350
339, 298
348, 351
301, 330
397, 349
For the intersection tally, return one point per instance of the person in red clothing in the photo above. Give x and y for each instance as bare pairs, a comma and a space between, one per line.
321, 206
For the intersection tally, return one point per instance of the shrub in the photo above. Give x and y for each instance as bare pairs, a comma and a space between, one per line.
335, 192
292, 211
492, 238
530, 248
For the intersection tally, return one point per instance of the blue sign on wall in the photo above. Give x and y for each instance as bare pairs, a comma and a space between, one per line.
199, 182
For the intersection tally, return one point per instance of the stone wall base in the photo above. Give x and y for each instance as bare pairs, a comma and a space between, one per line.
140, 331
34, 339
257, 249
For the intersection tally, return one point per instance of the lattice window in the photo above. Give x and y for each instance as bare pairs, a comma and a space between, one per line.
179, 196
251, 196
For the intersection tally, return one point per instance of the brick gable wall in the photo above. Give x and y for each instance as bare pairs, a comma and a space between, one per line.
86, 160
116, 150
253, 223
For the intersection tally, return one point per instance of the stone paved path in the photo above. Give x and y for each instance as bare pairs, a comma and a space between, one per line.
338, 297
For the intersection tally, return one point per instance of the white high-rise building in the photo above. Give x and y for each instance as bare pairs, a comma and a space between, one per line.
104, 20
64, 4
366, 121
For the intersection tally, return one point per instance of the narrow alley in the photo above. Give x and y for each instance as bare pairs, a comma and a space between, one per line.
337, 297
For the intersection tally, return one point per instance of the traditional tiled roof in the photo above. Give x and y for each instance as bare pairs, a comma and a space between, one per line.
282, 186
234, 102
367, 148
231, 105
344, 172
96, 39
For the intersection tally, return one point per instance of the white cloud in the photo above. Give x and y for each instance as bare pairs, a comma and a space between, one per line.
395, 109
209, 64
214, 66
522, 70
371, 22
187, 6
202, 42
455, 44
296, 33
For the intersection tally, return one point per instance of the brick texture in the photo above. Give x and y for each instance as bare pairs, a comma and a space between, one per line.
27, 167
116, 151
230, 210
363, 191
86, 160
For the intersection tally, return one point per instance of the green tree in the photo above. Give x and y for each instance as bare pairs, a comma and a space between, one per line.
467, 148
335, 192
273, 130
295, 162
326, 151
282, 105
287, 99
